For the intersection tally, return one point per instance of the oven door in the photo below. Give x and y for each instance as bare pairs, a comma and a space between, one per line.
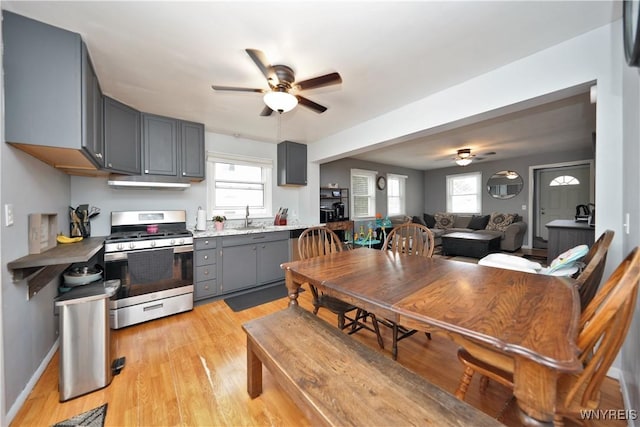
149, 271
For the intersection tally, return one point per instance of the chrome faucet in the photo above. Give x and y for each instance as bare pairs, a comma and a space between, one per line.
247, 221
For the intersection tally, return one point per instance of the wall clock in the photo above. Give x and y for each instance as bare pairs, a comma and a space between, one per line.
381, 182
630, 18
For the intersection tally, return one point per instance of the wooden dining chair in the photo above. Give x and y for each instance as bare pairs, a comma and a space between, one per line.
407, 239
604, 326
497, 366
590, 277
321, 241
410, 239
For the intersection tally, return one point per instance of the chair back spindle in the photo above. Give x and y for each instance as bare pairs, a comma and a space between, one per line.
589, 279
318, 241
410, 239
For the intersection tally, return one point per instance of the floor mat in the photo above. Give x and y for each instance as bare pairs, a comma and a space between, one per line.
92, 418
261, 296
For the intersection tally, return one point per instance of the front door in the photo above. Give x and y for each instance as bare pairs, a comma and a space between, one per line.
560, 190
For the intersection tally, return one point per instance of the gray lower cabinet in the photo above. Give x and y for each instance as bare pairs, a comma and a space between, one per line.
122, 139
206, 268
253, 260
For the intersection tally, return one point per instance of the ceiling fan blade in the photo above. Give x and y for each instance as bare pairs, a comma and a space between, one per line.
326, 80
266, 111
237, 89
261, 61
311, 105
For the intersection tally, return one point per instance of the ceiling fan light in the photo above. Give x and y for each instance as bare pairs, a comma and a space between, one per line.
463, 161
280, 101
464, 153
511, 175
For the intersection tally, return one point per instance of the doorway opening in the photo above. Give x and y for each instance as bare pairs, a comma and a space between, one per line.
557, 190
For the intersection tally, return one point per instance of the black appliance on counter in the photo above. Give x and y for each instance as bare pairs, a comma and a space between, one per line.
327, 215
338, 208
151, 253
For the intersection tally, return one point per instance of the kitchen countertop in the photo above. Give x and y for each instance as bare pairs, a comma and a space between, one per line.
212, 232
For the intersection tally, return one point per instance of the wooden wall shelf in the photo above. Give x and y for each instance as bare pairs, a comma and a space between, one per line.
40, 269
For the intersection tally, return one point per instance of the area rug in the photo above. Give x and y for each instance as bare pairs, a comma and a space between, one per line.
92, 418
261, 296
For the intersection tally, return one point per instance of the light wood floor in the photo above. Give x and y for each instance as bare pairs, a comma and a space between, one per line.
190, 370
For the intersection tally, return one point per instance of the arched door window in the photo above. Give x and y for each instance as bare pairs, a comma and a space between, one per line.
564, 180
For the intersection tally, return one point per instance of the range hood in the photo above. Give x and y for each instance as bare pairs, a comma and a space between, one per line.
149, 182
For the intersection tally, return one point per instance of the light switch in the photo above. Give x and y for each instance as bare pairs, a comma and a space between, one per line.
627, 223
8, 215
524, 207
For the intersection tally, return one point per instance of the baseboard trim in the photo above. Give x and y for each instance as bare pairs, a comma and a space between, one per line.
24, 395
626, 399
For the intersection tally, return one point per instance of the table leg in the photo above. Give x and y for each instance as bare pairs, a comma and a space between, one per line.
254, 372
292, 287
535, 389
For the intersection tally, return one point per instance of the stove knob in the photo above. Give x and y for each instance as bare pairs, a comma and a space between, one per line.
132, 245
182, 241
172, 242
152, 244
120, 246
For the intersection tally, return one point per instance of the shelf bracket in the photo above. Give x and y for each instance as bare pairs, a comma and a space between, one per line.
38, 277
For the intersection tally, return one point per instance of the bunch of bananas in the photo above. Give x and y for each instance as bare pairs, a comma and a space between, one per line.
64, 239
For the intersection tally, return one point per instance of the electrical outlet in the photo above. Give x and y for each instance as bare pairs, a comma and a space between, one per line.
524, 207
8, 215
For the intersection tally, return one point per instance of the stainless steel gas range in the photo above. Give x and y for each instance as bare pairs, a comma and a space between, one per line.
151, 252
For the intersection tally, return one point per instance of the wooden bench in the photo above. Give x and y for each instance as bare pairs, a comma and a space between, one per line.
338, 381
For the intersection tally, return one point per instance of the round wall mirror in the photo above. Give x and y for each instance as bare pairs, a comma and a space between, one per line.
504, 184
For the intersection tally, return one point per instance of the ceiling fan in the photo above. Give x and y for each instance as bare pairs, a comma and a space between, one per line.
464, 157
281, 80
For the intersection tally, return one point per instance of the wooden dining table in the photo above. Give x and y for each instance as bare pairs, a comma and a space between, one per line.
533, 318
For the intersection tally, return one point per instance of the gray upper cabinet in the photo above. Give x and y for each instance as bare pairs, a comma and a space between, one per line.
160, 145
292, 163
93, 117
192, 150
122, 140
49, 94
172, 147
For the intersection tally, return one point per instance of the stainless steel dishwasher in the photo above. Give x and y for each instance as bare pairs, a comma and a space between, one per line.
293, 244
86, 352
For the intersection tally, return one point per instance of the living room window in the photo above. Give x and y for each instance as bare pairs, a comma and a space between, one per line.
237, 181
363, 199
464, 193
396, 194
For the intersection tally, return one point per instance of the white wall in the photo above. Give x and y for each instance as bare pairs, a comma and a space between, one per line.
630, 361
29, 326
94, 191
594, 56
3, 410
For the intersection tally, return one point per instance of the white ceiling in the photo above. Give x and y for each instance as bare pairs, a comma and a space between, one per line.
163, 57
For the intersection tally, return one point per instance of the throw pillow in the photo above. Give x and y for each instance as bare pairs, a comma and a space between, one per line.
418, 220
479, 222
444, 220
429, 220
499, 221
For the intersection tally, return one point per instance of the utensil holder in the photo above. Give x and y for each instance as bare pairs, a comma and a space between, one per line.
78, 229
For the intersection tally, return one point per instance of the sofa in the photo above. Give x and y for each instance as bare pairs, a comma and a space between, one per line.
510, 227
